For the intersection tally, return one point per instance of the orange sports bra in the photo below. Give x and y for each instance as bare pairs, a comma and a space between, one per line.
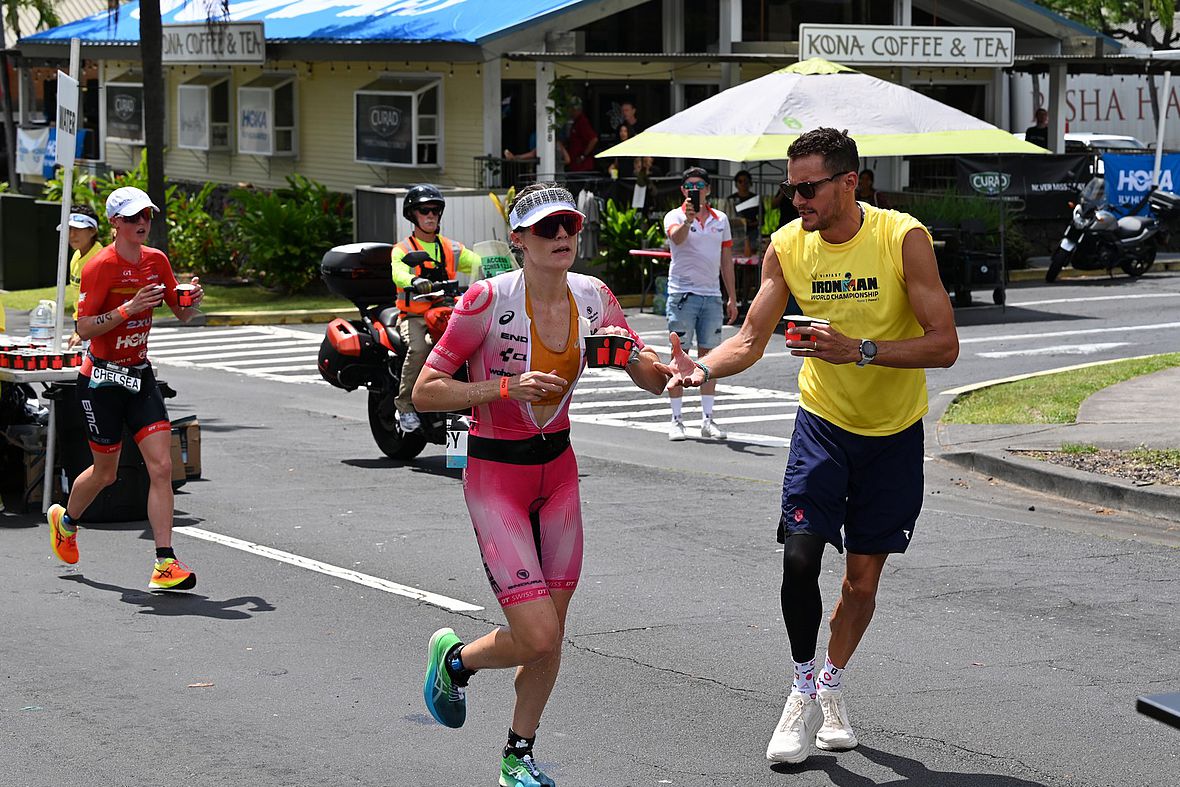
567, 362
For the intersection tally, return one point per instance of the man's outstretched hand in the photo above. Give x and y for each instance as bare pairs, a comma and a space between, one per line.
683, 370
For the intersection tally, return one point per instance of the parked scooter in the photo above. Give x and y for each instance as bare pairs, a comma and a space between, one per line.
369, 352
1098, 239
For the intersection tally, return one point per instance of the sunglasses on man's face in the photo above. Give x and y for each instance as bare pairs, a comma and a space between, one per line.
548, 227
807, 188
695, 185
430, 210
143, 215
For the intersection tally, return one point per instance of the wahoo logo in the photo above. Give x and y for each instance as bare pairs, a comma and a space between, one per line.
385, 120
990, 183
124, 106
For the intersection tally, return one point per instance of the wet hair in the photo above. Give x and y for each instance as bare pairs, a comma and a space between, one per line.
85, 210
837, 148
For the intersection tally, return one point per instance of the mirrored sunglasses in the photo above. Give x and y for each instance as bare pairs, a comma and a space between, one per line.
144, 215
547, 227
807, 187
696, 185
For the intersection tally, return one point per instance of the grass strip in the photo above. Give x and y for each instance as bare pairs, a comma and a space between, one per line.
1049, 399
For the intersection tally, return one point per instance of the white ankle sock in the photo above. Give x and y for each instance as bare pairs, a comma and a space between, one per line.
676, 401
707, 405
832, 677
805, 678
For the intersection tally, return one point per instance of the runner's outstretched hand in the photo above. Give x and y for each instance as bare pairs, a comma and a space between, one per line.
681, 368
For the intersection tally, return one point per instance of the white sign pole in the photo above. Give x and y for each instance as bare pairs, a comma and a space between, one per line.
67, 133
1159, 135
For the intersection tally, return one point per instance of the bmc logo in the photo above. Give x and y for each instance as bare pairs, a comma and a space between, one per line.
134, 340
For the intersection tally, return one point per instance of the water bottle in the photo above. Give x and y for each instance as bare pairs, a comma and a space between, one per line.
41, 323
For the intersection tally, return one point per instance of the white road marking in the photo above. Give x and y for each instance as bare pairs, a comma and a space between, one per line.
1134, 296
1073, 332
377, 583
1061, 349
733, 437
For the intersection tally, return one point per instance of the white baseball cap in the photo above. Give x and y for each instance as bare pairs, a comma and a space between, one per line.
80, 221
536, 205
128, 201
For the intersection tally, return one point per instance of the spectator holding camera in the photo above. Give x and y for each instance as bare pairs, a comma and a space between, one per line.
702, 256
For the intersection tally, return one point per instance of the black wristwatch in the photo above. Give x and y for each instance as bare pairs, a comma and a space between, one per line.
868, 352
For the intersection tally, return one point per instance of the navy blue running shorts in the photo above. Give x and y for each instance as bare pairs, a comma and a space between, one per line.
870, 486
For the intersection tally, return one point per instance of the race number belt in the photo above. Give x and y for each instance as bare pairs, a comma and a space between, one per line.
535, 450
107, 373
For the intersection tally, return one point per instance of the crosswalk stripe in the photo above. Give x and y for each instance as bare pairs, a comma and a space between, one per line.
737, 437
218, 353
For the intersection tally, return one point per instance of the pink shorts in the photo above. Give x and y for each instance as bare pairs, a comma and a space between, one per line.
528, 522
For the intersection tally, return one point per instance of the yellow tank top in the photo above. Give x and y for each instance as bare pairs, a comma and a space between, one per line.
567, 362
860, 287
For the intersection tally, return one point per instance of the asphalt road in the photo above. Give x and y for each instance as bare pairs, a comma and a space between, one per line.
1009, 645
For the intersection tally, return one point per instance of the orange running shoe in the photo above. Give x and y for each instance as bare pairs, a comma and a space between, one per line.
171, 574
64, 544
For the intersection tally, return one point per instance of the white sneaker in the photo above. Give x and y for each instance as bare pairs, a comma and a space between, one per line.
676, 432
711, 431
409, 422
836, 734
795, 733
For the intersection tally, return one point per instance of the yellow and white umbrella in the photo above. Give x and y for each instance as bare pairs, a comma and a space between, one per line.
759, 119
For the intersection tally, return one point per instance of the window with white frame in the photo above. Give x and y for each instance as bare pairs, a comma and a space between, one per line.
266, 116
398, 122
204, 112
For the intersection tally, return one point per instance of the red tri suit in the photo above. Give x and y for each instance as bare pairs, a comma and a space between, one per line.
108, 281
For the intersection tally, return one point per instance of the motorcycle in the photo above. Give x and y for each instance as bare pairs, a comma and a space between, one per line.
1097, 238
369, 352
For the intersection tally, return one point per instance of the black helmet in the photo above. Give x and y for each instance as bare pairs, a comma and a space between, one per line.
420, 195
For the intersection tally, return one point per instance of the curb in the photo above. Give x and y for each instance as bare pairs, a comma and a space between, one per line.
288, 317
1066, 482
1038, 274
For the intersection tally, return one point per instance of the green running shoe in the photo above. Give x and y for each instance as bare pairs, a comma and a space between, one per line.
522, 772
446, 701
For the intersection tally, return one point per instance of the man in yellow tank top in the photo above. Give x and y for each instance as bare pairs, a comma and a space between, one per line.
857, 451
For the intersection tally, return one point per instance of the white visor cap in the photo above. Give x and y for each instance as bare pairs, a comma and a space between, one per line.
536, 205
80, 221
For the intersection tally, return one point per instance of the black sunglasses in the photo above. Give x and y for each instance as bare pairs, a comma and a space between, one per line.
429, 210
547, 227
807, 187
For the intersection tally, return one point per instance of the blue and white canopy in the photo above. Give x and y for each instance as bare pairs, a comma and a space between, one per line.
316, 21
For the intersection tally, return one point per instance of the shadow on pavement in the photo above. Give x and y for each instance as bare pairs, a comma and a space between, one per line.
176, 604
434, 465
911, 773
995, 315
220, 425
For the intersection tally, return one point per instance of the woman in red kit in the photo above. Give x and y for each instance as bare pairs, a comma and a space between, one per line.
121, 285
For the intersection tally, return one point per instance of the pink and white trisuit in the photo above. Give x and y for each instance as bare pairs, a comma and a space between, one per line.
527, 517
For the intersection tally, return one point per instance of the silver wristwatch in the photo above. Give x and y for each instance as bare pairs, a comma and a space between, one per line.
868, 352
